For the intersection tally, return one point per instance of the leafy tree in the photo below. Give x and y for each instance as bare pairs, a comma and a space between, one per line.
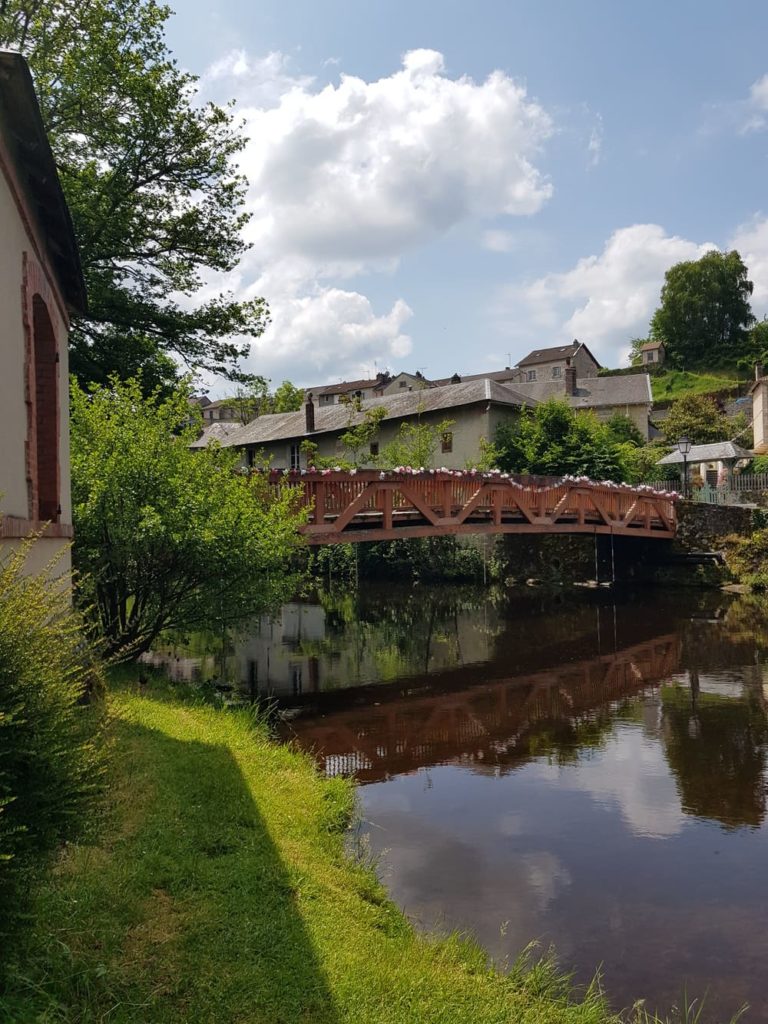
50, 764
699, 418
415, 444
169, 537
623, 430
253, 398
554, 440
287, 398
705, 313
641, 463
150, 177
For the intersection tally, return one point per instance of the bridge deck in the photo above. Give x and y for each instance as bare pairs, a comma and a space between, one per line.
371, 506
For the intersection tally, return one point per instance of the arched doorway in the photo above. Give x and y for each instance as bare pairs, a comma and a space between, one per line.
46, 419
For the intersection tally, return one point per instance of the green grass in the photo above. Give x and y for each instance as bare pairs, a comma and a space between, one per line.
672, 384
220, 892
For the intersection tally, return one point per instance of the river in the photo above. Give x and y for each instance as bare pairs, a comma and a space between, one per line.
585, 768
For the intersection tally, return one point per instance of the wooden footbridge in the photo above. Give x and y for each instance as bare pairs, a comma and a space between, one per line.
368, 505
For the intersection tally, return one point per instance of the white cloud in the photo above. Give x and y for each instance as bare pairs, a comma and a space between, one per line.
345, 178
751, 240
604, 300
366, 170
498, 241
595, 144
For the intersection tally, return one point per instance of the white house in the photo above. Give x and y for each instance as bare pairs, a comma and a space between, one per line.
41, 285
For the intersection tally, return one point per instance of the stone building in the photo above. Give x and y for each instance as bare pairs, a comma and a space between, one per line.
41, 286
549, 364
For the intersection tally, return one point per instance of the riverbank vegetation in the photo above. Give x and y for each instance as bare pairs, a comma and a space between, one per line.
220, 890
169, 537
51, 749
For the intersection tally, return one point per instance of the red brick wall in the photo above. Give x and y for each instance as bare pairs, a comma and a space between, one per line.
42, 393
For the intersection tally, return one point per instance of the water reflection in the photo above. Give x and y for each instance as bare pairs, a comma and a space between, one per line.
588, 769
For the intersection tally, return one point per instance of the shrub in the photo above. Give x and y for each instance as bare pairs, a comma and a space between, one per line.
747, 558
50, 760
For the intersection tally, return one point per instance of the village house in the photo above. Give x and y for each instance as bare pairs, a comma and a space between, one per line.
627, 394
548, 364
476, 409
652, 353
41, 286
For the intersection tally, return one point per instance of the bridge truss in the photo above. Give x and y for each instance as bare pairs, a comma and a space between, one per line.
353, 507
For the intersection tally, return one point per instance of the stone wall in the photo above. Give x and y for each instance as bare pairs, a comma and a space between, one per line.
563, 559
701, 527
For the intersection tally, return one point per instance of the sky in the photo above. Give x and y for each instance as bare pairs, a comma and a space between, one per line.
442, 186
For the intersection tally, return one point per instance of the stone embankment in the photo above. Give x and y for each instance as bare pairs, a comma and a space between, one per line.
694, 558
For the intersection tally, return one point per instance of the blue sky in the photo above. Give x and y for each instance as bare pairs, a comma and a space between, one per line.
446, 185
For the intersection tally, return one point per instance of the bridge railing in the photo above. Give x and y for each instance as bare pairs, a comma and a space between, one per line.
370, 505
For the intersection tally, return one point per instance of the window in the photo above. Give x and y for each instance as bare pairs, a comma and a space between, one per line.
295, 457
403, 384
530, 375
650, 357
557, 372
447, 441
374, 448
46, 424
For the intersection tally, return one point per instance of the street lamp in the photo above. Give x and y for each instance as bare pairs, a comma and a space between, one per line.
684, 447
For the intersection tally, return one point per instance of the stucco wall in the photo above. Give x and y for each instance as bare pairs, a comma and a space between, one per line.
471, 423
22, 276
637, 413
760, 417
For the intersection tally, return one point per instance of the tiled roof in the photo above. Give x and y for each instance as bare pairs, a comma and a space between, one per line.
707, 453
508, 373
593, 392
329, 419
217, 431
35, 169
651, 346
342, 387
547, 355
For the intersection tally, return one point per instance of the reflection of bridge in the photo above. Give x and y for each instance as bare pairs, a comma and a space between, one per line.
368, 505
489, 722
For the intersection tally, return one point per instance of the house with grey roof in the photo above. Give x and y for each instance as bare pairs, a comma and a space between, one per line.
549, 364
476, 408
628, 394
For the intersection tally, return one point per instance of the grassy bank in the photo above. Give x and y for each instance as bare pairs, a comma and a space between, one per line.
673, 384
220, 892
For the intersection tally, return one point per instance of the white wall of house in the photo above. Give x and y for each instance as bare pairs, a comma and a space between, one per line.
28, 294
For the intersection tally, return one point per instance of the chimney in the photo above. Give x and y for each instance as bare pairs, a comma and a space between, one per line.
758, 371
309, 410
570, 378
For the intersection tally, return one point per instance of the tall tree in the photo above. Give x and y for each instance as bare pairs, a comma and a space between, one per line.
705, 313
150, 176
699, 418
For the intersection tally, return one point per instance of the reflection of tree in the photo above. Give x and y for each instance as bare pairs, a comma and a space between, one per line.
715, 747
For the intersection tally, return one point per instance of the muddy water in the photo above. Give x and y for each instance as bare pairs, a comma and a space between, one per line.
587, 770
